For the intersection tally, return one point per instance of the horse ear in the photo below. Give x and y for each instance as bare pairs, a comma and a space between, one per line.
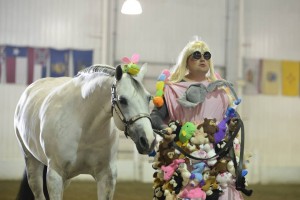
142, 72
119, 72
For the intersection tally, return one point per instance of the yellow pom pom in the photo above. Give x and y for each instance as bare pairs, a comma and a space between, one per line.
160, 85
158, 101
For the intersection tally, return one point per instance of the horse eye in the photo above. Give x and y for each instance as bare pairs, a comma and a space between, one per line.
123, 101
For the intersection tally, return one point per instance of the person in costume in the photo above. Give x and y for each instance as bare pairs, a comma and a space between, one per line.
192, 93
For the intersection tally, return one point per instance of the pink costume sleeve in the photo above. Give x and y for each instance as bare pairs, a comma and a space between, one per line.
214, 105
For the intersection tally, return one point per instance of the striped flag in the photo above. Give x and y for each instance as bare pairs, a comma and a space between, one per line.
38, 63
271, 77
16, 64
290, 78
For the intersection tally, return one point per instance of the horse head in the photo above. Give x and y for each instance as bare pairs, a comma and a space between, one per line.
131, 112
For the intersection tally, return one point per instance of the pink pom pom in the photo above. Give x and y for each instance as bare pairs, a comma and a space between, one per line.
166, 72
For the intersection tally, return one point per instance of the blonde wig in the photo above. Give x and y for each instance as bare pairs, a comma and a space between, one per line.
180, 69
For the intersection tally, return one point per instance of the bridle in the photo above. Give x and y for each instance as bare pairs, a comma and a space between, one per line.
115, 106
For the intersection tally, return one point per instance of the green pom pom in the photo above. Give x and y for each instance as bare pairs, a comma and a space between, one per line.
159, 93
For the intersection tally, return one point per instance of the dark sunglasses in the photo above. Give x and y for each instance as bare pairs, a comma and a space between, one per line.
197, 55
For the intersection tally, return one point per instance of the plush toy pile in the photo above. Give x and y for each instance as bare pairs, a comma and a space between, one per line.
179, 177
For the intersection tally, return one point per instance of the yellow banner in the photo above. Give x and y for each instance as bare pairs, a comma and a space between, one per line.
290, 78
270, 78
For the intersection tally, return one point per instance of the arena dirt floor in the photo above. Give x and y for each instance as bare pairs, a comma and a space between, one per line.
86, 190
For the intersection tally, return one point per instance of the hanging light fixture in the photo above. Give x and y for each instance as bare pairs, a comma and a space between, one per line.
131, 7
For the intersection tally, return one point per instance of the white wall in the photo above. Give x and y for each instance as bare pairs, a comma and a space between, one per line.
271, 30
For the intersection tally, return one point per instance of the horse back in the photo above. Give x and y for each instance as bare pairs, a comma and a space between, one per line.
27, 114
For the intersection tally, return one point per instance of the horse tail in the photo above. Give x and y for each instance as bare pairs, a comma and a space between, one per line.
25, 192
45, 183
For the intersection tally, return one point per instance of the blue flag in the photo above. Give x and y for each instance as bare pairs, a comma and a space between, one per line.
82, 59
59, 62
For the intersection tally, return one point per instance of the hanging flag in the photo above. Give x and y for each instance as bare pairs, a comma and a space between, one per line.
252, 70
16, 64
270, 79
59, 62
290, 78
2, 65
38, 63
82, 59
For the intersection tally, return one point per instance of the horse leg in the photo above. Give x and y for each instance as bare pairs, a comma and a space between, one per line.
55, 184
106, 182
35, 176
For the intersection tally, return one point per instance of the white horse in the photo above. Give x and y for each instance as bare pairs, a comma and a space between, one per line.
68, 125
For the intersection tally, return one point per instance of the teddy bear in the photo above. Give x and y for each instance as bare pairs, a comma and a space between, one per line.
210, 128
199, 137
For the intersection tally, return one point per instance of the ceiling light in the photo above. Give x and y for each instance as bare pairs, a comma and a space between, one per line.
131, 7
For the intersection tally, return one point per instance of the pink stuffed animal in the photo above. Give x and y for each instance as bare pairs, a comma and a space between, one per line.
170, 169
195, 193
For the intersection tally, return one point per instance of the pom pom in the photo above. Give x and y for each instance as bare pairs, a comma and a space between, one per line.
159, 93
158, 101
160, 85
166, 72
162, 77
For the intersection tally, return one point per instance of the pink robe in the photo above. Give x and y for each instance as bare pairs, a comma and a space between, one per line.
214, 105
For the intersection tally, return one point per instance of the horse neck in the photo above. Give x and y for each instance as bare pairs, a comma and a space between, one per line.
97, 94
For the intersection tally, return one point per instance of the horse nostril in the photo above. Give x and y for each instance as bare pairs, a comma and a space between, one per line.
143, 142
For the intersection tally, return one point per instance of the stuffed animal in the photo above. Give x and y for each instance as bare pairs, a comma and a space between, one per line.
196, 174
194, 193
210, 127
215, 195
158, 193
176, 126
130, 66
176, 181
210, 154
185, 174
220, 134
170, 169
210, 182
224, 179
169, 196
199, 137
186, 132
158, 179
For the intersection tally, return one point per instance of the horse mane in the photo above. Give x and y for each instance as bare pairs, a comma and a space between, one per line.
98, 68
88, 77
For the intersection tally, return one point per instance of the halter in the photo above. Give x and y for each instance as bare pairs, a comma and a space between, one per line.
115, 105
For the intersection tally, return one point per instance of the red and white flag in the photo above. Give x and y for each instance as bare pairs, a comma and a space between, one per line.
38, 63
16, 64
